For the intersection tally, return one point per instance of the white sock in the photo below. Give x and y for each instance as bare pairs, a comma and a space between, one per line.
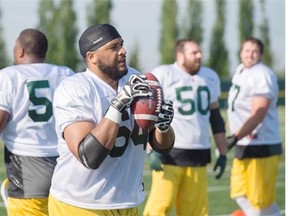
272, 210
247, 207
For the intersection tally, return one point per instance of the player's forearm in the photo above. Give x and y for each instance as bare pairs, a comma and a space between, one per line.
259, 110
106, 132
97, 144
221, 143
163, 141
248, 127
3, 119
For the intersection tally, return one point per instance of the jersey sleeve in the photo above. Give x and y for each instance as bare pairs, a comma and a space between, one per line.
163, 74
72, 103
6, 91
157, 73
264, 84
215, 85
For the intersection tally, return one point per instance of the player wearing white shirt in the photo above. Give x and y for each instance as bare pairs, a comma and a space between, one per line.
254, 123
192, 96
194, 90
102, 150
26, 94
28, 125
89, 102
260, 81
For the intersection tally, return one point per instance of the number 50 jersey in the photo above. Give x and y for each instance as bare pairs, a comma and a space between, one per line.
192, 97
26, 93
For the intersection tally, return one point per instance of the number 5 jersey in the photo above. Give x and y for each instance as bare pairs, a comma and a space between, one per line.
26, 93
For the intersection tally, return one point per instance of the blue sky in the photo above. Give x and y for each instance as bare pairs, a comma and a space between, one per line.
138, 21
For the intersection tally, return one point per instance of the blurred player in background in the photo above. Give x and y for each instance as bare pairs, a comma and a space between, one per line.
254, 123
27, 123
181, 176
102, 150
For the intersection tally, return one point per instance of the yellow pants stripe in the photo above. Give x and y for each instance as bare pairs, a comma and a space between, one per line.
255, 178
31, 207
186, 187
58, 208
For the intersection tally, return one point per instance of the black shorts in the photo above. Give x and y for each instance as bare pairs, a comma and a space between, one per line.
257, 151
188, 157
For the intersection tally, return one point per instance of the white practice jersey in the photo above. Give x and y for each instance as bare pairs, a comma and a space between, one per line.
258, 80
192, 97
26, 93
117, 183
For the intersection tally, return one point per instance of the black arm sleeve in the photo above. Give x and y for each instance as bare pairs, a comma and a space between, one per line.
91, 152
161, 151
216, 121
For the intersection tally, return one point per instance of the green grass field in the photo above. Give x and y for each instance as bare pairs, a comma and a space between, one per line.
218, 190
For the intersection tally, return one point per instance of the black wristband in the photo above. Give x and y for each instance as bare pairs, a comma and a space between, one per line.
162, 151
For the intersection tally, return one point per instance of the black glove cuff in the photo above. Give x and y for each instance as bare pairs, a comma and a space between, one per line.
223, 157
235, 139
117, 104
232, 140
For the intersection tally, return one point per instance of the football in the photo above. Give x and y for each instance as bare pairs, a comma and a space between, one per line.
146, 109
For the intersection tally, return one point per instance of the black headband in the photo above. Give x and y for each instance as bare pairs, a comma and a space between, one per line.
96, 36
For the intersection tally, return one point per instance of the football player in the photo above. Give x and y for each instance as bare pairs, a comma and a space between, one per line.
27, 123
254, 123
102, 149
180, 177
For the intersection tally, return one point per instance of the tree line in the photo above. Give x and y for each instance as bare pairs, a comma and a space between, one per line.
58, 20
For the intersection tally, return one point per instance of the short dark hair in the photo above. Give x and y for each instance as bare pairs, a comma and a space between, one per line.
256, 41
179, 45
34, 42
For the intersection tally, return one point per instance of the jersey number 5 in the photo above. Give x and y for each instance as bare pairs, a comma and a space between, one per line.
38, 101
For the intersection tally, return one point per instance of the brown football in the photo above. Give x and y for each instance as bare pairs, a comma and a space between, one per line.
146, 109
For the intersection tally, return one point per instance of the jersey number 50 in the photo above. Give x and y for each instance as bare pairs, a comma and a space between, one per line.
202, 106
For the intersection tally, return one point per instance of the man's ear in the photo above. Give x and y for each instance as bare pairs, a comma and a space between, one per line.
91, 56
180, 57
20, 52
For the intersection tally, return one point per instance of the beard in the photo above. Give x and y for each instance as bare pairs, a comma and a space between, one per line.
192, 68
112, 70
